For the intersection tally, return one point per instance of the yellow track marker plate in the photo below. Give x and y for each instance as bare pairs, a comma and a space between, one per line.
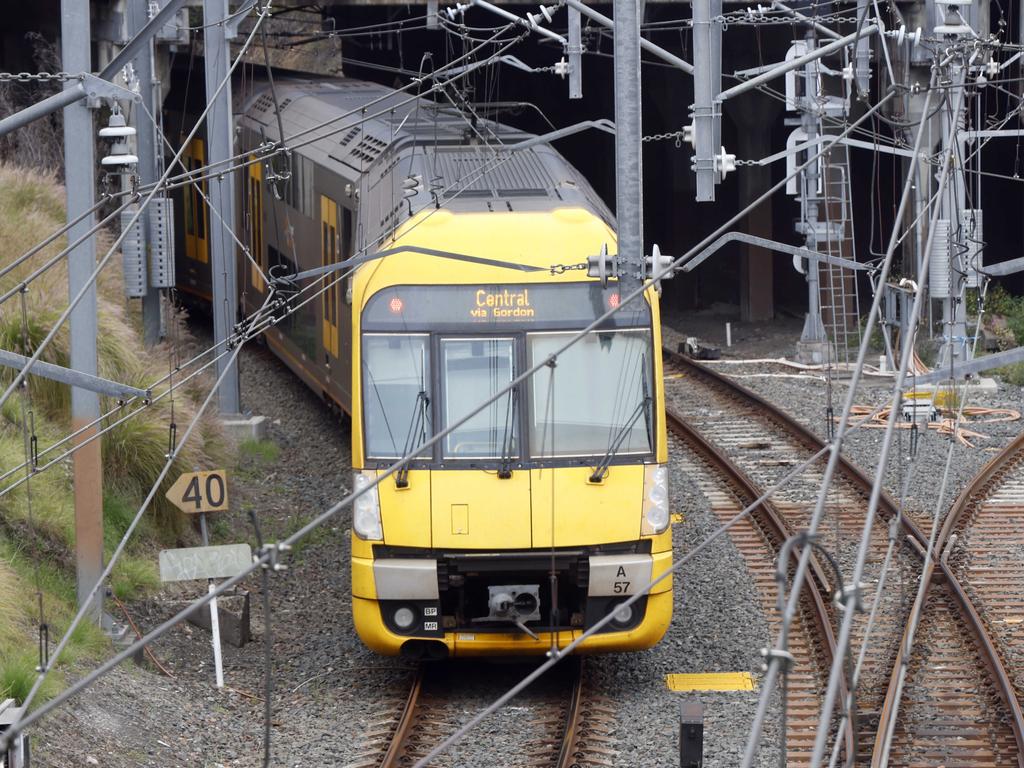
710, 681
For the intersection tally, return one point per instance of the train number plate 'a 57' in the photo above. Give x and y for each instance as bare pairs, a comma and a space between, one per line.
618, 574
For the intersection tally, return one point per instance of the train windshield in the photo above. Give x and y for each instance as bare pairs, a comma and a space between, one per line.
474, 370
596, 400
396, 398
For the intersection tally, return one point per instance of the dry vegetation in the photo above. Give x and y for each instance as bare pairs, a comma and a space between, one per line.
31, 207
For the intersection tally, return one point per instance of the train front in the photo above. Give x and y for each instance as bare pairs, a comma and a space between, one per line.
543, 512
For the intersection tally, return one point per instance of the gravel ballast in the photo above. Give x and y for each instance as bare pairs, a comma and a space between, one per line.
330, 692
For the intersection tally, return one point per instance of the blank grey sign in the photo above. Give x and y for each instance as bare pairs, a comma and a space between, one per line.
220, 562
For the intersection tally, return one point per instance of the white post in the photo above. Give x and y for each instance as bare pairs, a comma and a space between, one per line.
218, 665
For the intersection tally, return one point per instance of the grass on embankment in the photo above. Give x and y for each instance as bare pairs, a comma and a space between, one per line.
133, 453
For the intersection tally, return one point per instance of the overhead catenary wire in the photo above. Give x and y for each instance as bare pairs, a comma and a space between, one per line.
115, 555
846, 627
771, 674
87, 286
264, 320
396, 466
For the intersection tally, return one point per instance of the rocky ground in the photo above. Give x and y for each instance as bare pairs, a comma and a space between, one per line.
329, 692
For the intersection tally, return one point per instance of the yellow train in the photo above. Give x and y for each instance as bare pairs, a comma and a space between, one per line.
545, 511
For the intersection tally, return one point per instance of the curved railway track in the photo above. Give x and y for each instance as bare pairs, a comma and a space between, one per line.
982, 543
759, 538
960, 707
571, 726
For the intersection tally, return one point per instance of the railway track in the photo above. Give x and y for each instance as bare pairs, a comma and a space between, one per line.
955, 671
981, 542
759, 538
567, 725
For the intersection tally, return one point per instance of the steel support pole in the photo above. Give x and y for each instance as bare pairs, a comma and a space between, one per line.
148, 142
707, 54
955, 347
219, 135
575, 51
80, 182
814, 345
629, 210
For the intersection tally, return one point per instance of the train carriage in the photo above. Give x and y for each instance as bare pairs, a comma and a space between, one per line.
543, 512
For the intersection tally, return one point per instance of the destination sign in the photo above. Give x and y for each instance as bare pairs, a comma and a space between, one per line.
572, 305
502, 304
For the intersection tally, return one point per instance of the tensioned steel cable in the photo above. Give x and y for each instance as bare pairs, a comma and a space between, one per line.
262, 324
908, 348
88, 283
101, 580
774, 662
331, 512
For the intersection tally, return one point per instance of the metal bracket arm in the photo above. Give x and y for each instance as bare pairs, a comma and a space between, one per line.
74, 378
601, 125
977, 365
647, 45
520, 21
770, 245
98, 88
798, 62
1004, 268
129, 52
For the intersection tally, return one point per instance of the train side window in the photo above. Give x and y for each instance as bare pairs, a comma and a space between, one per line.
331, 289
347, 223
255, 216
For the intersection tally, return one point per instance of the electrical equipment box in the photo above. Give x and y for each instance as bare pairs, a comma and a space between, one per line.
938, 265
17, 751
133, 253
919, 409
161, 252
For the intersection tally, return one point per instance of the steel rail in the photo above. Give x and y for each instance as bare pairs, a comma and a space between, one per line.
393, 755
573, 720
889, 509
767, 514
976, 489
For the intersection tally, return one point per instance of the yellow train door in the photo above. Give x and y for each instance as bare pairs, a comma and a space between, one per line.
329, 254
255, 214
196, 245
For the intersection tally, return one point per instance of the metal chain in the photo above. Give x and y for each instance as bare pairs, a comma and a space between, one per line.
558, 269
677, 135
751, 17
746, 18
42, 77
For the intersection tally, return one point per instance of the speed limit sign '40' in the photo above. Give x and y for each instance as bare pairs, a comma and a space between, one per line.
198, 492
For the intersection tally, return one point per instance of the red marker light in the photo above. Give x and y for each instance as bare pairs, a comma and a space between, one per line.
613, 301
395, 305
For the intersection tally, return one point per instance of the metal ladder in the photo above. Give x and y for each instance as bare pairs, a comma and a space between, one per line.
840, 301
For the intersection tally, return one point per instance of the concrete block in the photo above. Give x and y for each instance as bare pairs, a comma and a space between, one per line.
233, 614
253, 428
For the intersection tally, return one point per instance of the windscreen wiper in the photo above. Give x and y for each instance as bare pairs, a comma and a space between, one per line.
509, 436
416, 431
643, 409
620, 437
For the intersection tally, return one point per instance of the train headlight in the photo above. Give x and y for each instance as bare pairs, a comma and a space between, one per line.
366, 508
656, 516
404, 617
